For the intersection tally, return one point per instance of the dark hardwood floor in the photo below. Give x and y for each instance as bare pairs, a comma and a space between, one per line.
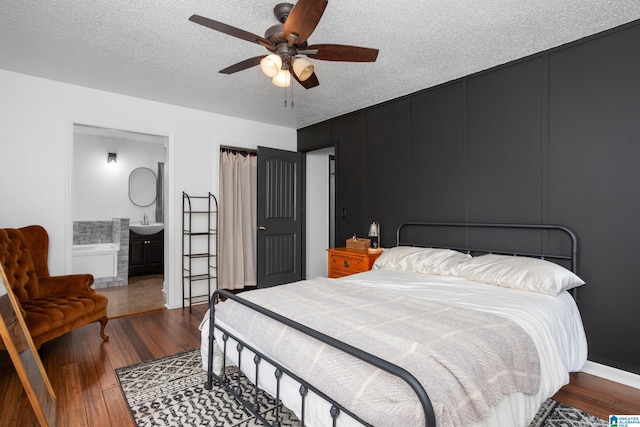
143, 293
81, 369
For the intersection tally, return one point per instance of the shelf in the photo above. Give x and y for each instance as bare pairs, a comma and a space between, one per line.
204, 255
196, 277
193, 232
197, 299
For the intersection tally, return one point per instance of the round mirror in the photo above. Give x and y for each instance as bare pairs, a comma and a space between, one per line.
142, 187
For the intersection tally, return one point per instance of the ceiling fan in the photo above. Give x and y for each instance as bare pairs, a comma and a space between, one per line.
287, 41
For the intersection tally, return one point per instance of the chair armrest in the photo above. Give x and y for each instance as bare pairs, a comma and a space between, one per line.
71, 284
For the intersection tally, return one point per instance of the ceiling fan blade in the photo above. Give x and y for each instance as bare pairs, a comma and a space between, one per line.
302, 20
341, 52
312, 81
232, 31
242, 65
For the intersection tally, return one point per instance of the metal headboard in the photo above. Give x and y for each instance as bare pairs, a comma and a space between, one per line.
571, 255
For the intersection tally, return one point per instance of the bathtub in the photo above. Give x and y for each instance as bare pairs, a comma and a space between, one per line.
99, 259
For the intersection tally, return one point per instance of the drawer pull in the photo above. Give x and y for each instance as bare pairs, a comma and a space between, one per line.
345, 264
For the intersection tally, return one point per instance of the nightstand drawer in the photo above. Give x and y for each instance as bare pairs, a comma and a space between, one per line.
347, 265
343, 261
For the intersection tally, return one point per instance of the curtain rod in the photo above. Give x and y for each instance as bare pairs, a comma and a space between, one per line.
238, 150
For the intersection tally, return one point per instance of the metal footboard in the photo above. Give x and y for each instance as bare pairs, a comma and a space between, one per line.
305, 387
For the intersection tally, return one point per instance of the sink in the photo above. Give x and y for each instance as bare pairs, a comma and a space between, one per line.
146, 229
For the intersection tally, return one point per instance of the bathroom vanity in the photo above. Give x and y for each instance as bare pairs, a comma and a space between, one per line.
146, 253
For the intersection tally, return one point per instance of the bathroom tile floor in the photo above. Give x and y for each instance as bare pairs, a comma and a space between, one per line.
143, 294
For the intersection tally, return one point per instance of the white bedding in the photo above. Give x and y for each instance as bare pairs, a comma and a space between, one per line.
553, 322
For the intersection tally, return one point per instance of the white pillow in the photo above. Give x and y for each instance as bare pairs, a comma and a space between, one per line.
518, 272
420, 260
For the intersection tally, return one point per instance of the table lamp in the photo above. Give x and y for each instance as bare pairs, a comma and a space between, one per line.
374, 231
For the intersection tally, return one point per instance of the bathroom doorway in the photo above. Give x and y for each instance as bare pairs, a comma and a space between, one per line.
320, 209
117, 186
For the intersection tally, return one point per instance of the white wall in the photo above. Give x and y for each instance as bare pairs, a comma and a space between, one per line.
100, 190
36, 152
317, 212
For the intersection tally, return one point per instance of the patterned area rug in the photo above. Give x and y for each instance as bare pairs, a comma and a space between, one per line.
556, 414
170, 392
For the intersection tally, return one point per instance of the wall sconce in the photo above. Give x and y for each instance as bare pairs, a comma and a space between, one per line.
374, 231
112, 158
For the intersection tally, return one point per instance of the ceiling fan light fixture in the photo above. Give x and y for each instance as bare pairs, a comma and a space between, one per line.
282, 79
287, 40
271, 65
302, 68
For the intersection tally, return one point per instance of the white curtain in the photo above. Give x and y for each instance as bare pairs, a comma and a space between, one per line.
237, 257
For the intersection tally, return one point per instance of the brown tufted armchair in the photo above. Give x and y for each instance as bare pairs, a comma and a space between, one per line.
52, 305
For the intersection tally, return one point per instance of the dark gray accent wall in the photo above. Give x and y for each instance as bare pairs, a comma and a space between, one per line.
504, 150
552, 138
594, 182
387, 151
437, 172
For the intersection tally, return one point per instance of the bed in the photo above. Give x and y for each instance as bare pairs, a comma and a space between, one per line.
434, 334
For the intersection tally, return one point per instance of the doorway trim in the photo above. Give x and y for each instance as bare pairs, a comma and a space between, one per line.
170, 243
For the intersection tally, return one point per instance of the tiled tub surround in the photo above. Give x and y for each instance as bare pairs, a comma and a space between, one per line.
113, 231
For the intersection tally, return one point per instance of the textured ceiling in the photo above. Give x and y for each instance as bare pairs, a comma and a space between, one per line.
149, 49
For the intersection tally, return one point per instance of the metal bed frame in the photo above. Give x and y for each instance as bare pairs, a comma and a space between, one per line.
336, 409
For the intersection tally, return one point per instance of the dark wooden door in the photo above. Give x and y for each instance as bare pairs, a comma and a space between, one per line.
279, 217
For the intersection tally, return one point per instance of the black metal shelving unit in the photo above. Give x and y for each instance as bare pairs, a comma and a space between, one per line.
199, 248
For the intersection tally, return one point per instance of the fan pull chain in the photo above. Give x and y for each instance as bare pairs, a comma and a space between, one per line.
285, 96
292, 85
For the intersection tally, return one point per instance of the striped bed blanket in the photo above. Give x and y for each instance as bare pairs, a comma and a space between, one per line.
466, 360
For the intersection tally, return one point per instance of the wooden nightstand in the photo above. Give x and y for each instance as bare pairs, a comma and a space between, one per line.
344, 261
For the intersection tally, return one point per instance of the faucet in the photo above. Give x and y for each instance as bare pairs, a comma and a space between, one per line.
145, 219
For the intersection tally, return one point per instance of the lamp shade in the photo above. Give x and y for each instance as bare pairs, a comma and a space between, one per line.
373, 229
303, 69
270, 65
282, 79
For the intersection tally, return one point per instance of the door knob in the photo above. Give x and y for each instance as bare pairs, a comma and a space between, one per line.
262, 227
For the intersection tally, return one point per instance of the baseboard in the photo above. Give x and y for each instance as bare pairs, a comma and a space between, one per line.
612, 374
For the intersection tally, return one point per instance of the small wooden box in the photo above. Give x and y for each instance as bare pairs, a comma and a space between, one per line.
358, 243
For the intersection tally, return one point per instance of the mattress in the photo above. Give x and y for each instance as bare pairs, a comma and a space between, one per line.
552, 322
